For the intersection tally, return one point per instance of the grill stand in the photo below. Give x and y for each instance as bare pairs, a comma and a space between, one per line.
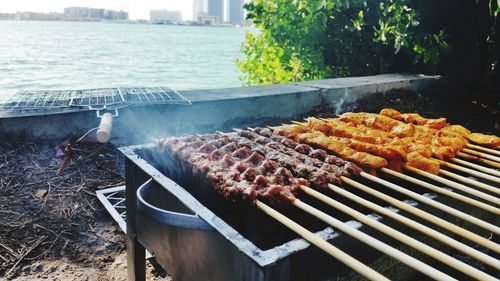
136, 253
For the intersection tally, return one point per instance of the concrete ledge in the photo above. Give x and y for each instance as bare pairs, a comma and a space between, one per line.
217, 109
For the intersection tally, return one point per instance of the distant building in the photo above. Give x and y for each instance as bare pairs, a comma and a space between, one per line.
115, 15
164, 16
206, 19
39, 16
7, 16
85, 13
199, 6
235, 10
216, 8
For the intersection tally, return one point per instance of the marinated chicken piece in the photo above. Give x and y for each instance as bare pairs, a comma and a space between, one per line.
403, 130
443, 152
416, 160
333, 127
381, 122
314, 138
486, 140
438, 123
455, 130
391, 112
414, 118
378, 150
289, 131
456, 144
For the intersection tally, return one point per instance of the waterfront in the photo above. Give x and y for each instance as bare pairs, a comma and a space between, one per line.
69, 55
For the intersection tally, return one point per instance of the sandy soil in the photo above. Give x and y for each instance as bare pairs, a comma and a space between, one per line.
53, 227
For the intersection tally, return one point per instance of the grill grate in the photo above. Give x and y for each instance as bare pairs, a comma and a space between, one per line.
93, 99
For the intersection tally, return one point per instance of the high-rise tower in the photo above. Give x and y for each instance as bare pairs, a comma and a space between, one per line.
235, 10
216, 8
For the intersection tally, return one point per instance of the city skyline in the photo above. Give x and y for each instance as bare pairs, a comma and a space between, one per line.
137, 9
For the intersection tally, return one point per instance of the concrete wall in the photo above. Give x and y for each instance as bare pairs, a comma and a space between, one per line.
217, 109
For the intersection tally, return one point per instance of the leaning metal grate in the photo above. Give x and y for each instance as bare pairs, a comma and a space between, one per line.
113, 199
93, 99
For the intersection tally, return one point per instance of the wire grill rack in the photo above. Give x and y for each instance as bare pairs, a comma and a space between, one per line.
92, 99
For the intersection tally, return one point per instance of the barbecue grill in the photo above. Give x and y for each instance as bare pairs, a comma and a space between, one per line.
195, 234
34, 101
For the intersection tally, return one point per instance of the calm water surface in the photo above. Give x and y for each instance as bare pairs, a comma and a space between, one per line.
69, 55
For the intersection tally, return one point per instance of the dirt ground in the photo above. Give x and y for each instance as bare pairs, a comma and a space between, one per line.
53, 227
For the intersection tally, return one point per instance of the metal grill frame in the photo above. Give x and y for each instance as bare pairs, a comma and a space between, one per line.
92, 99
113, 199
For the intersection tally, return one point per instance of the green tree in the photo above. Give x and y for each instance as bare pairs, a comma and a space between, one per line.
316, 39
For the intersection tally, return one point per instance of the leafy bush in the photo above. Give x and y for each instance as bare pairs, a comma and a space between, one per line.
316, 39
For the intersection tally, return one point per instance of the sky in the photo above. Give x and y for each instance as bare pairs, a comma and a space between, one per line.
137, 9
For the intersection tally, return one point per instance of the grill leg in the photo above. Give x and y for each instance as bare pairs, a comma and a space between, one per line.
136, 254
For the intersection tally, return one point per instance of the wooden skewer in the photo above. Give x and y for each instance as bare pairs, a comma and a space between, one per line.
419, 227
322, 244
458, 186
478, 159
424, 215
466, 180
443, 191
482, 155
372, 242
475, 166
475, 158
489, 150
408, 240
436, 204
471, 172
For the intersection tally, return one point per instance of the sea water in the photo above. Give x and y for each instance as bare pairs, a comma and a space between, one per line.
76, 55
